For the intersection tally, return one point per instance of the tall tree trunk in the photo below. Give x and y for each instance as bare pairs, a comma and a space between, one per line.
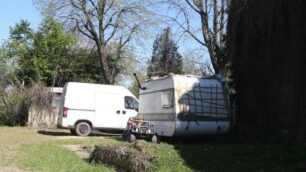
106, 71
267, 46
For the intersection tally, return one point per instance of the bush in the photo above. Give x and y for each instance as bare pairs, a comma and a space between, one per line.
15, 103
13, 110
124, 158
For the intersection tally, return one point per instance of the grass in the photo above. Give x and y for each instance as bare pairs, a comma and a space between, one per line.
49, 157
243, 157
37, 152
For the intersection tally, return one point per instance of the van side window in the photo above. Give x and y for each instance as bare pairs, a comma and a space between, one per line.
129, 102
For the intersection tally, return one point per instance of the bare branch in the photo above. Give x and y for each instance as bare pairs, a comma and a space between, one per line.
188, 31
193, 7
109, 7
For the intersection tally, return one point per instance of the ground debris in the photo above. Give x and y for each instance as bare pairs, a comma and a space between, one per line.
123, 158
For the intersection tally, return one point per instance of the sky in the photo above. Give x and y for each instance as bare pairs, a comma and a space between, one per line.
12, 11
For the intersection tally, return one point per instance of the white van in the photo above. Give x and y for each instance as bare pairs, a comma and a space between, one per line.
94, 106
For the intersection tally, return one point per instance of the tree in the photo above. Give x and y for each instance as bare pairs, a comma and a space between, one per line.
16, 52
193, 63
212, 18
165, 56
269, 67
105, 22
50, 53
41, 55
81, 68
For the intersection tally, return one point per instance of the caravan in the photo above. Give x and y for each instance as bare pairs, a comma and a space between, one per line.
182, 105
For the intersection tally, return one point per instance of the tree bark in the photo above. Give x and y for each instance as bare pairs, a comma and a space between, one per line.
267, 46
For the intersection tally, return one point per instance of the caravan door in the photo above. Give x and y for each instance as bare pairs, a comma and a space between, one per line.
108, 111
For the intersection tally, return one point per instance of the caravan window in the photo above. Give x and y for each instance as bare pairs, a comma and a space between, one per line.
130, 103
167, 99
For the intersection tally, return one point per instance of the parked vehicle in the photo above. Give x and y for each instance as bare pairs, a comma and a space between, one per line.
94, 106
182, 105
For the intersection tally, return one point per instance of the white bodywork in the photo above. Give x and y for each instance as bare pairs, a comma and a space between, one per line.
102, 106
180, 105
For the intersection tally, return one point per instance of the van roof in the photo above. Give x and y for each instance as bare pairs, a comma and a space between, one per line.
102, 88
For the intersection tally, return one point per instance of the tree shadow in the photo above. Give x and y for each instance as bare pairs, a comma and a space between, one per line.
65, 132
199, 153
54, 132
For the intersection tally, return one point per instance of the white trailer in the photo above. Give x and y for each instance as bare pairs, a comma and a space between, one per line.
180, 105
94, 106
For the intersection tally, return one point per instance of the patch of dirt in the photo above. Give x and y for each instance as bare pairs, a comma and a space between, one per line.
12, 169
81, 151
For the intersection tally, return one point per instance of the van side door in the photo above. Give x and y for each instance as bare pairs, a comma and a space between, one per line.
108, 111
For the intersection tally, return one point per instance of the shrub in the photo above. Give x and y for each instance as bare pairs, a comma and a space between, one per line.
13, 109
16, 102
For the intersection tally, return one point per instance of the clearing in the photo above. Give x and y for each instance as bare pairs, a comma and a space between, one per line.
26, 150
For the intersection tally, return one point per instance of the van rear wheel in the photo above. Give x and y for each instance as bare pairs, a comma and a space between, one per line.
83, 129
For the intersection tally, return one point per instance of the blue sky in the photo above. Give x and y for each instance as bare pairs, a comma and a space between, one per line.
12, 11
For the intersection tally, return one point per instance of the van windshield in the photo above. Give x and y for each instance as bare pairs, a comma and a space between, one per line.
130, 103
136, 105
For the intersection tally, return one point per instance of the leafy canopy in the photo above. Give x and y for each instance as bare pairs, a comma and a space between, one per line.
165, 57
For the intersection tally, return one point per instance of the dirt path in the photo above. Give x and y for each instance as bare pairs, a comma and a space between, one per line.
81, 151
12, 169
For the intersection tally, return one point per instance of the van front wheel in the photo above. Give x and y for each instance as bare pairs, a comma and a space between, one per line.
83, 129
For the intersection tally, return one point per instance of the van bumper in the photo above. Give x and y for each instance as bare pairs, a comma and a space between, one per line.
71, 126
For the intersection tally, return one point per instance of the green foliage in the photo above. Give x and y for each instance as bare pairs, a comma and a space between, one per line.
82, 67
39, 55
16, 101
18, 45
48, 52
13, 109
45, 56
48, 55
165, 57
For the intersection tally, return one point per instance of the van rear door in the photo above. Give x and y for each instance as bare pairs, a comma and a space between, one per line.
61, 107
